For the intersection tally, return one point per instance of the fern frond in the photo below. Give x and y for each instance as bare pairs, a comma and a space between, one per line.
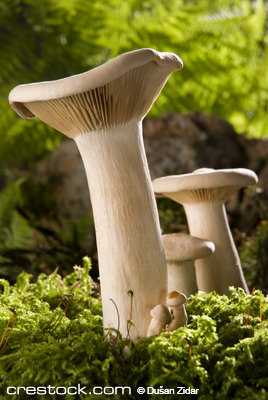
15, 231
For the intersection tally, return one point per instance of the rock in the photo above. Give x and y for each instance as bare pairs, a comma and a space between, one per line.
72, 193
182, 143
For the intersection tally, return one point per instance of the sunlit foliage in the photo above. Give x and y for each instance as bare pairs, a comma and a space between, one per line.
223, 45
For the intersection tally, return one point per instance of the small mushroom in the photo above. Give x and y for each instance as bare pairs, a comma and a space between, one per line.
160, 318
181, 251
203, 194
176, 300
102, 110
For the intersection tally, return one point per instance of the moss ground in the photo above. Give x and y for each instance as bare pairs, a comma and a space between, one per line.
217, 353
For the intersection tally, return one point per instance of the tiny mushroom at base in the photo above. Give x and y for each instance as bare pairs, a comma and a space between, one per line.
181, 251
102, 110
203, 194
176, 300
160, 319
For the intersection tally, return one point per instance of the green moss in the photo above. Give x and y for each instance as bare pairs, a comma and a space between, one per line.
50, 347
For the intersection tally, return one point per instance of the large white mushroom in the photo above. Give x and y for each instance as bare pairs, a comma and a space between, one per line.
102, 110
203, 194
181, 251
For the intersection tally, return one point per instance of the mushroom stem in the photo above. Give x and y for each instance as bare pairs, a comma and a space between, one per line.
222, 269
185, 280
130, 249
179, 318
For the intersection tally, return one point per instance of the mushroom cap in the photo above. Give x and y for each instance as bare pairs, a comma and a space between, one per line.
161, 314
114, 93
175, 299
204, 185
183, 247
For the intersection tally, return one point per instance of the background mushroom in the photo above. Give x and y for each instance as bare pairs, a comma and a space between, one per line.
102, 110
203, 194
181, 251
176, 300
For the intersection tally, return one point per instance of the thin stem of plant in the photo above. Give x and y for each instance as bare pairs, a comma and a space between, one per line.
13, 313
249, 306
62, 301
5, 330
260, 309
118, 316
130, 293
190, 346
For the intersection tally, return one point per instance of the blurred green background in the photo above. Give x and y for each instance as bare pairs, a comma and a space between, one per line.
223, 45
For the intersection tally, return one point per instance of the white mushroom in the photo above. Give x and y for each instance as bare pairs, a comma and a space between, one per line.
102, 110
160, 318
203, 194
181, 251
176, 300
